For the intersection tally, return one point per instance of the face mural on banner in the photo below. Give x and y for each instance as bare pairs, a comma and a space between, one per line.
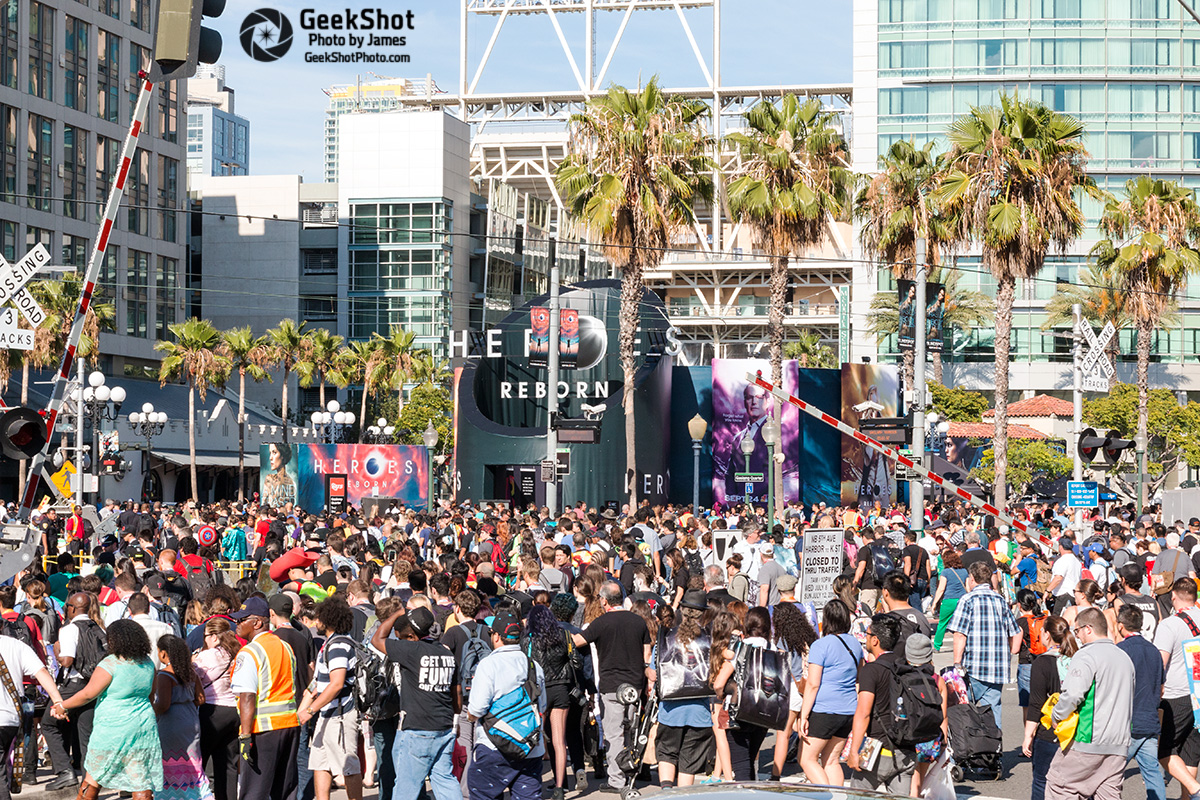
740, 410
296, 473
867, 477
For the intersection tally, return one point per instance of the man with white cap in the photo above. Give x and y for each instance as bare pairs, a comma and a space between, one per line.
769, 572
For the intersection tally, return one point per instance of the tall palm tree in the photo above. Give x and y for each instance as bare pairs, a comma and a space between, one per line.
1100, 299
194, 355
397, 356
637, 165
791, 182
966, 309
248, 355
322, 353
287, 352
362, 362
1153, 230
897, 208
1010, 180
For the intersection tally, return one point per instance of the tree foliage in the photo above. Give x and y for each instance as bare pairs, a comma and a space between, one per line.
1173, 431
428, 402
958, 404
808, 349
1027, 459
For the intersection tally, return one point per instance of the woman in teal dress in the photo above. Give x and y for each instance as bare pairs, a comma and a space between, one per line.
124, 753
177, 696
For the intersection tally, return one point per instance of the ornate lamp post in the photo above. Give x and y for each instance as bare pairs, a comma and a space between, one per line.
697, 427
430, 437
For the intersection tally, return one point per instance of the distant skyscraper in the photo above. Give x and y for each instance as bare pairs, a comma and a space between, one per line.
375, 96
218, 140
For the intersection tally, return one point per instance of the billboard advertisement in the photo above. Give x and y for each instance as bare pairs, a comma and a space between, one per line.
935, 313
296, 473
868, 390
740, 409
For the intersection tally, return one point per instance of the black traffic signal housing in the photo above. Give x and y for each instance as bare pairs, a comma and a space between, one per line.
1115, 446
180, 41
1110, 444
1089, 444
22, 433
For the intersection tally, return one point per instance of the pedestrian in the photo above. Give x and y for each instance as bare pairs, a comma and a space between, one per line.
985, 638
330, 701
19, 662
177, 695
1031, 622
685, 741
1179, 741
892, 769
952, 586
1148, 666
895, 594
1100, 686
1130, 579
1045, 679
219, 714
830, 697
745, 740
124, 752
794, 634
1065, 574
872, 562
548, 645
81, 646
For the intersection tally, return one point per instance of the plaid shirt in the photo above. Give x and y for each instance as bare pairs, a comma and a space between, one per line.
987, 622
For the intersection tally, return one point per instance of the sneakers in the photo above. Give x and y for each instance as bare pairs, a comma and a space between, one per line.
63, 780
558, 794
581, 781
610, 789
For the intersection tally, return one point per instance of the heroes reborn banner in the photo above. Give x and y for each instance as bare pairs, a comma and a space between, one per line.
296, 473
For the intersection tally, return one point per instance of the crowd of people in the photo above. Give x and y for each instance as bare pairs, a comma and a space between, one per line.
481, 648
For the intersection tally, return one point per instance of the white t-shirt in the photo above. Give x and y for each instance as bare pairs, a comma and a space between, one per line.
22, 663
1169, 638
1068, 566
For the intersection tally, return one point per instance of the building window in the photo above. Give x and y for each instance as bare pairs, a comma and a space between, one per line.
41, 50
110, 7
318, 309
41, 159
400, 223
75, 94
396, 270
35, 236
75, 251
74, 169
138, 193
166, 284
139, 14
419, 314
108, 153
168, 111
168, 197
9, 245
8, 33
137, 302
107, 281
138, 56
8, 154
320, 262
108, 75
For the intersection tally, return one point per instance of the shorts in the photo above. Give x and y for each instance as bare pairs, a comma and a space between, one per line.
334, 745
929, 752
1179, 736
689, 749
829, 726
795, 699
558, 695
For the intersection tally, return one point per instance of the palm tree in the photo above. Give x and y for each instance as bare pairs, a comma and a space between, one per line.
362, 362
195, 355
1010, 181
1101, 301
637, 165
287, 352
321, 356
1151, 249
808, 349
397, 358
966, 309
791, 182
427, 369
897, 208
249, 355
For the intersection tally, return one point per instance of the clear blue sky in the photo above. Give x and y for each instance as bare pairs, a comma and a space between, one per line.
764, 42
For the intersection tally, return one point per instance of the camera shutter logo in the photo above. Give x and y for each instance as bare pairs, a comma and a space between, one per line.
266, 34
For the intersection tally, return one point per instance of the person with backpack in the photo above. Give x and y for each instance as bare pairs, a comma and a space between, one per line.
985, 637
1031, 622
872, 563
925, 698
1126, 590
1045, 679
329, 699
885, 768
81, 646
470, 641
1177, 744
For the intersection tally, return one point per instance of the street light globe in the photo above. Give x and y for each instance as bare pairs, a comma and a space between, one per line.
932, 417
943, 427
118, 394
315, 417
333, 406
89, 394
135, 418
697, 426
349, 417
771, 432
96, 379
381, 422
373, 430
162, 417
747, 445
339, 417
430, 436
102, 393
147, 408
389, 430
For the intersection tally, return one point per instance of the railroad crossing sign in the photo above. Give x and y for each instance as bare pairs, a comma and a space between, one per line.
12, 337
13, 278
1098, 370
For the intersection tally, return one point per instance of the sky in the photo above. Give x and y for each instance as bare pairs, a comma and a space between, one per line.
763, 42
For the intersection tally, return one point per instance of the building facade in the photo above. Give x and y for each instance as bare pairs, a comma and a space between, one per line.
68, 85
1128, 69
218, 140
384, 94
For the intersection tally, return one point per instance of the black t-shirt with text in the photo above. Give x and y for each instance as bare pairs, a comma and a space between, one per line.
427, 681
620, 638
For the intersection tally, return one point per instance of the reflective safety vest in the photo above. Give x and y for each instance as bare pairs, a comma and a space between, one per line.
276, 667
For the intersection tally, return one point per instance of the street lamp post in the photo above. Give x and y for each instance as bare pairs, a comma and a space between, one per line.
331, 423
696, 429
148, 423
95, 408
430, 437
747, 449
771, 435
380, 432
1140, 442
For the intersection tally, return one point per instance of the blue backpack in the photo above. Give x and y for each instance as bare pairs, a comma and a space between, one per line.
514, 722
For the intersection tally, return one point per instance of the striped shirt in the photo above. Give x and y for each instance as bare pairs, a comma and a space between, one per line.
337, 653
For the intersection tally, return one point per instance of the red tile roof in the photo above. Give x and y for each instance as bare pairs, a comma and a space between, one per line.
986, 430
1040, 405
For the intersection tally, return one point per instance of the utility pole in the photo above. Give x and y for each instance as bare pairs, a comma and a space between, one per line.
916, 489
1077, 403
552, 380
79, 470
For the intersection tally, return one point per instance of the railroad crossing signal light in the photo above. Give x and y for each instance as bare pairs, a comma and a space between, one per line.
1110, 444
181, 42
22, 433
1115, 446
1089, 444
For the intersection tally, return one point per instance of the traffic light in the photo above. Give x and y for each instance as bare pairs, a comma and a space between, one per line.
1089, 444
1111, 444
1114, 446
22, 433
181, 42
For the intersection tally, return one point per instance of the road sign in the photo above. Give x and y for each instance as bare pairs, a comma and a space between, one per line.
903, 473
1097, 370
748, 477
1083, 494
13, 278
1095, 383
564, 461
548, 470
62, 478
820, 563
12, 337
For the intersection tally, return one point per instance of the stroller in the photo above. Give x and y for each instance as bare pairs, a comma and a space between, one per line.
975, 739
640, 716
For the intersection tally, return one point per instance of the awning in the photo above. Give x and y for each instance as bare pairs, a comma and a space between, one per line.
207, 458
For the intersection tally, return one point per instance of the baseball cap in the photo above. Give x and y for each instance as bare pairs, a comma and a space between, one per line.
766, 549
507, 625
253, 607
155, 585
786, 583
421, 620
281, 604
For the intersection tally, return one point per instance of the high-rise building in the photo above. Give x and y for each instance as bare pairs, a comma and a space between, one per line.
383, 94
68, 85
1128, 69
218, 140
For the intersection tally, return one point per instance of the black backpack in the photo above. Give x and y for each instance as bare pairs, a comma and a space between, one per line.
907, 628
376, 690
91, 649
16, 628
915, 713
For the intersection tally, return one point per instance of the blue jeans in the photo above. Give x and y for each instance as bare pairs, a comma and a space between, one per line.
1145, 750
383, 737
305, 790
1043, 754
1023, 671
986, 694
420, 754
